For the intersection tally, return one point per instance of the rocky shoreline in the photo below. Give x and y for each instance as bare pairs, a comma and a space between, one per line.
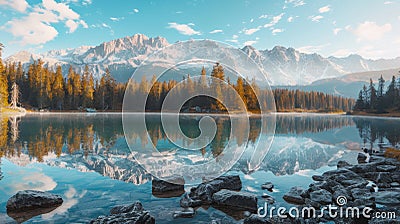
373, 184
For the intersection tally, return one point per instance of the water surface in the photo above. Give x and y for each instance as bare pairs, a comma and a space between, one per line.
85, 158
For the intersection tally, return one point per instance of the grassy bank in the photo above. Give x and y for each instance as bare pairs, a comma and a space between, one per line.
375, 114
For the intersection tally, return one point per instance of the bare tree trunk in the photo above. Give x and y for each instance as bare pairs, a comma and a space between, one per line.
14, 96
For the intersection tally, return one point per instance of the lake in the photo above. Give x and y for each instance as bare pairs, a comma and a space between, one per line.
85, 158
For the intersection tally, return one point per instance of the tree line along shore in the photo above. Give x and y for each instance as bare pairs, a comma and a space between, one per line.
42, 88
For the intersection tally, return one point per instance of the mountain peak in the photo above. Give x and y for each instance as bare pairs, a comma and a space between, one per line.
285, 66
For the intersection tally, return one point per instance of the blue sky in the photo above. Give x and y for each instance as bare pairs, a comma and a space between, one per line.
369, 28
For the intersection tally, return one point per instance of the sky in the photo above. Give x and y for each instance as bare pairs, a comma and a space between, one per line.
330, 28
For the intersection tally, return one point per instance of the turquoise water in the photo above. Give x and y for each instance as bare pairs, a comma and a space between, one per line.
87, 161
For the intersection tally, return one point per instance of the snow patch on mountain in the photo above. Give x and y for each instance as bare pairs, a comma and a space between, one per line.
284, 66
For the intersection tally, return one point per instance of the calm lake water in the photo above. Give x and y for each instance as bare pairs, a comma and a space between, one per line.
85, 158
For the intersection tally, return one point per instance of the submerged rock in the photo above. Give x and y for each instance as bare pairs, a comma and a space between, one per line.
134, 214
235, 200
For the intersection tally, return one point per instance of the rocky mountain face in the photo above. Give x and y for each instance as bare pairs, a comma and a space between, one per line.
285, 66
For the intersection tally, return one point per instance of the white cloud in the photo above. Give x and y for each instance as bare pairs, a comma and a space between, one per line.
316, 18
275, 31
274, 20
388, 3
249, 42
370, 31
290, 19
184, 29
336, 31
324, 9
63, 10
71, 198
310, 49
19, 5
295, 3
216, 31
72, 25
235, 36
105, 25
84, 24
135, 10
116, 19
263, 16
251, 31
252, 20
37, 26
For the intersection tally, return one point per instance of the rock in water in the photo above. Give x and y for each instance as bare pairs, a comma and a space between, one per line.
342, 164
267, 186
29, 203
171, 187
30, 199
133, 214
185, 213
236, 200
186, 201
361, 158
294, 196
205, 191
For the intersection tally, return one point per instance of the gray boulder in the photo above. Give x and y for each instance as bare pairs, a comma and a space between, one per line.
318, 178
29, 203
342, 163
186, 201
170, 187
205, 191
391, 198
134, 214
361, 158
322, 196
267, 186
294, 196
236, 200
386, 168
30, 199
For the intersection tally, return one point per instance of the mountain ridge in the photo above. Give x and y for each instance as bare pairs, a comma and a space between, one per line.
284, 66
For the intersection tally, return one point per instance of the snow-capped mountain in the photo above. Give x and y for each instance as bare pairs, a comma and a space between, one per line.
284, 66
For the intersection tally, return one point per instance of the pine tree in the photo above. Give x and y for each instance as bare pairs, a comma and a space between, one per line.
3, 82
360, 102
372, 96
58, 89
